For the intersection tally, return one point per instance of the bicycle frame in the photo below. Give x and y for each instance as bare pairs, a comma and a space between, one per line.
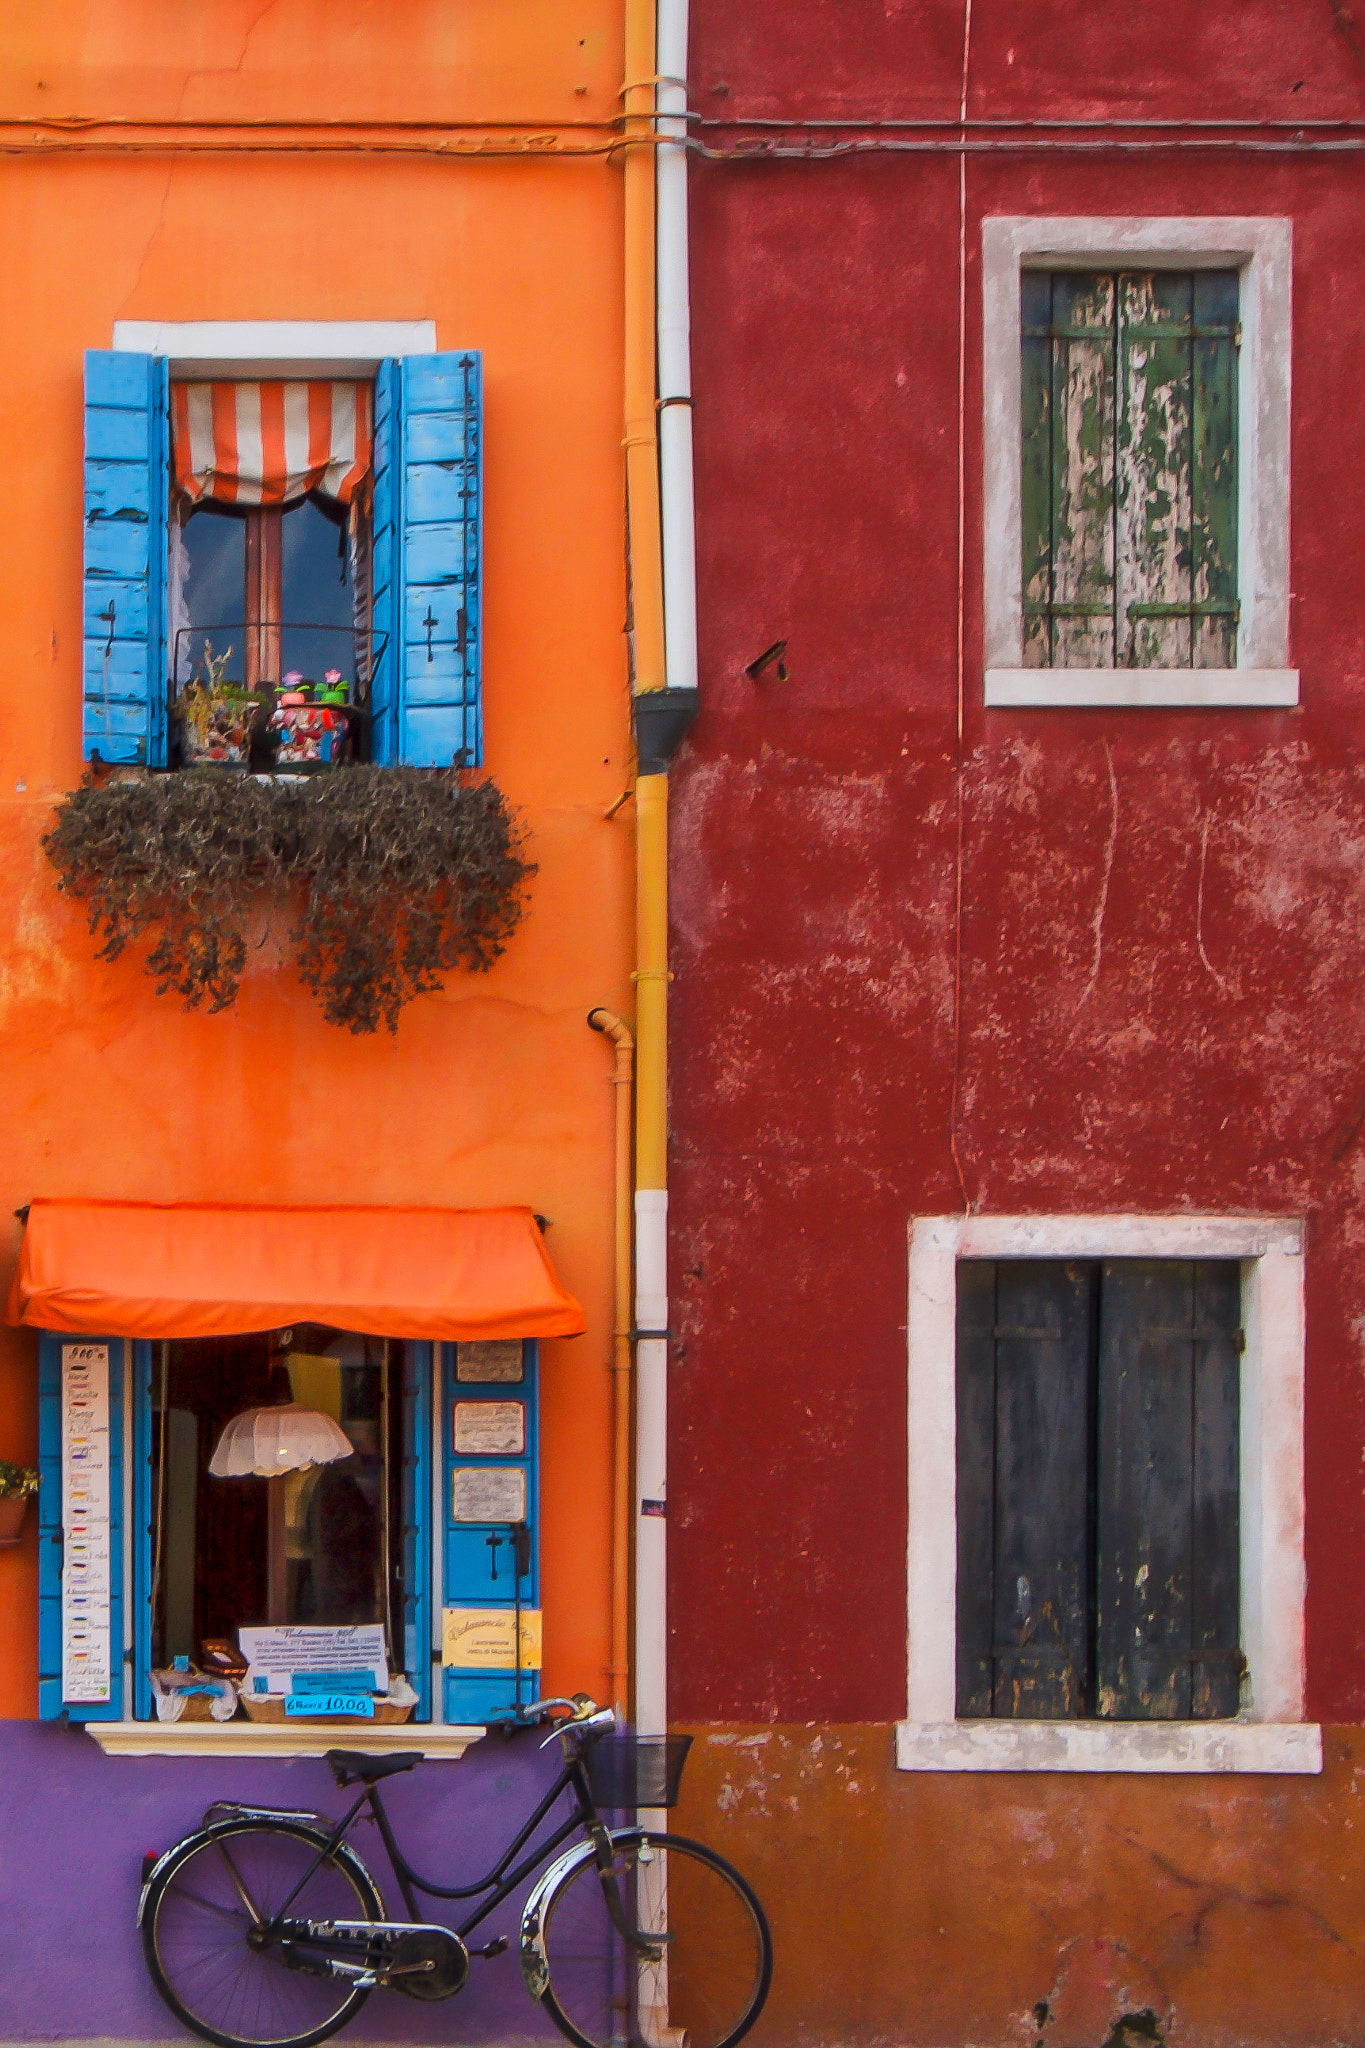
501, 1880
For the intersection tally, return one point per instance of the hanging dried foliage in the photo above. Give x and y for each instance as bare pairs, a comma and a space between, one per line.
396, 877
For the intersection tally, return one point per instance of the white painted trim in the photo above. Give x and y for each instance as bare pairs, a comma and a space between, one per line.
1261, 249
275, 348
1141, 688
1272, 1495
1147, 1746
282, 1738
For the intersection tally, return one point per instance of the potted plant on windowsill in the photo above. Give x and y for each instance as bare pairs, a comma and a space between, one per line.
18, 1485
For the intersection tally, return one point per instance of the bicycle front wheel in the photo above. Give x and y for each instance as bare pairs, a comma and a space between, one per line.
696, 1968
206, 1933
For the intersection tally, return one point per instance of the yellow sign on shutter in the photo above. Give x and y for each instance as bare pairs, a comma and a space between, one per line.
484, 1638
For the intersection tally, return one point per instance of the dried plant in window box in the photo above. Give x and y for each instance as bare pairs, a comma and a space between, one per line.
392, 877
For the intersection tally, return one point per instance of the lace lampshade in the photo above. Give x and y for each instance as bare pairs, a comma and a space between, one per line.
268, 1442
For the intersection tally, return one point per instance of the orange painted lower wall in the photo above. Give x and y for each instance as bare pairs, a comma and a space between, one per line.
1041, 1909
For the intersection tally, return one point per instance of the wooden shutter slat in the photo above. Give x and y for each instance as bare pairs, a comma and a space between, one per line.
1041, 1631
1213, 483
1152, 510
1083, 471
1215, 1622
1035, 304
975, 1485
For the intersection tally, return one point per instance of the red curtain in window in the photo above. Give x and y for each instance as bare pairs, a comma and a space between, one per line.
270, 444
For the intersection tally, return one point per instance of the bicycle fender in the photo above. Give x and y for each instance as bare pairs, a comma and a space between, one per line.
534, 1968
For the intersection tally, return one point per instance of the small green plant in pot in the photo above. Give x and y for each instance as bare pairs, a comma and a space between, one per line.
18, 1485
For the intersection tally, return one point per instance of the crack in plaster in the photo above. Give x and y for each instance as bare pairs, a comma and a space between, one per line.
1097, 921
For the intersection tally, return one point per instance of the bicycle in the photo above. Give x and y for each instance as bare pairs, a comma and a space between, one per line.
264, 1929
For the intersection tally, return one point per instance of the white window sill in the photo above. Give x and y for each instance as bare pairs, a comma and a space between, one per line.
1152, 1746
278, 1738
1191, 689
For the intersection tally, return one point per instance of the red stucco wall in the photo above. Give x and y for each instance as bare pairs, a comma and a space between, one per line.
1122, 1046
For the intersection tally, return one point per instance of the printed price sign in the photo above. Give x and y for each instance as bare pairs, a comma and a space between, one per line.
303, 1659
353, 1703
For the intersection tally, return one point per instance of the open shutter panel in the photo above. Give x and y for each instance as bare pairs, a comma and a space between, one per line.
427, 560
80, 1529
482, 1489
140, 1592
415, 1648
127, 469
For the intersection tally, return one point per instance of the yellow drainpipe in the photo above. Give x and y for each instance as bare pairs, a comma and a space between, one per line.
610, 1025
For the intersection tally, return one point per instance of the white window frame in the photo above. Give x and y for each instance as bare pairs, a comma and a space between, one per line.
1261, 251
1270, 1734
275, 348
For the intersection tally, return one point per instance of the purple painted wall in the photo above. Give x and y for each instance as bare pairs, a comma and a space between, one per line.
78, 1822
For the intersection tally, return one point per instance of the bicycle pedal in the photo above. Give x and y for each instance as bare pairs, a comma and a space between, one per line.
496, 1947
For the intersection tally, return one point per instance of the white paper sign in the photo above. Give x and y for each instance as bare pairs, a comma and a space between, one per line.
485, 1429
86, 1542
489, 1493
282, 1661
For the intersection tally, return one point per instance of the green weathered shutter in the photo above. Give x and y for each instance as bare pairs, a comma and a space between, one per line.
1129, 469
1167, 1526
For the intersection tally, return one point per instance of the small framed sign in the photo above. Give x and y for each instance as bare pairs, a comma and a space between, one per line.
488, 1493
494, 1362
485, 1638
490, 1429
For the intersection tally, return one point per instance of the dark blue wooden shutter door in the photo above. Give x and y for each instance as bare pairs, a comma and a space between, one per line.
478, 1573
1167, 1564
975, 1487
415, 1648
51, 1705
386, 571
127, 478
1044, 1346
440, 718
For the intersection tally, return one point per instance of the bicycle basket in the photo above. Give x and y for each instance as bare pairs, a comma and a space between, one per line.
627, 1770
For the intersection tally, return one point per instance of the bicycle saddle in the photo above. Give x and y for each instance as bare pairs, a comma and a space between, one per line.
350, 1765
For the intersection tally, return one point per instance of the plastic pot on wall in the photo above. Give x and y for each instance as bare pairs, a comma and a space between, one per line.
13, 1508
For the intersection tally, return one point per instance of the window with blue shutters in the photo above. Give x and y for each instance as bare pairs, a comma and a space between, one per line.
401, 630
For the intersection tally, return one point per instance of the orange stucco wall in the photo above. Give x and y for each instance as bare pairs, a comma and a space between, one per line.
493, 1091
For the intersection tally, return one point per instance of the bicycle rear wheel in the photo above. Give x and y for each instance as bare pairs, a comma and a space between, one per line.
711, 1975
202, 1933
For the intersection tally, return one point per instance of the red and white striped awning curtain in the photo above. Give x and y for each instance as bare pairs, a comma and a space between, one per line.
271, 444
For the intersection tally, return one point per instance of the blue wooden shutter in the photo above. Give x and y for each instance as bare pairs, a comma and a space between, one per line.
140, 1593
415, 1648
478, 1573
127, 471
428, 543
51, 1705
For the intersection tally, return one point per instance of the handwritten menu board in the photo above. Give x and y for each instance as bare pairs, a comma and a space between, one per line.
86, 1558
490, 1429
488, 1493
489, 1362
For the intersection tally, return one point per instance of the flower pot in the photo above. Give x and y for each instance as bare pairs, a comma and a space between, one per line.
13, 1508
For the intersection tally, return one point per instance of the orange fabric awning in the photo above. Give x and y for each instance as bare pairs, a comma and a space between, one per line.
142, 1269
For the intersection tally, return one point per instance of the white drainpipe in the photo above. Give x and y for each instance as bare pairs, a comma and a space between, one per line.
680, 655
